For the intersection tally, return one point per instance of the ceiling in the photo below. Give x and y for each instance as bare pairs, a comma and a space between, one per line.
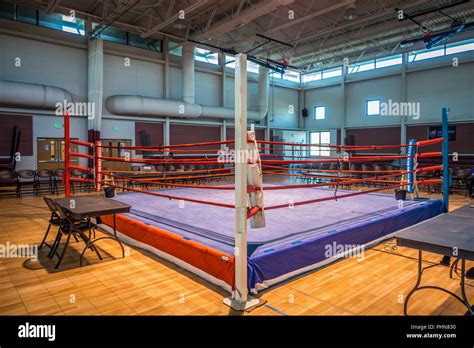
320, 32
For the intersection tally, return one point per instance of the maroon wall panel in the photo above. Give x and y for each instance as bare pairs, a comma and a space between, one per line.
230, 133
154, 129
374, 136
25, 125
464, 142
186, 134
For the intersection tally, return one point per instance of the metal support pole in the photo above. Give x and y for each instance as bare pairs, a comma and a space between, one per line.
240, 299
445, 150
411, 165
98, 166
67, 154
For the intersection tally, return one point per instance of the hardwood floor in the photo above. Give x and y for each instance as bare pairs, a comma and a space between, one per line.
143, 284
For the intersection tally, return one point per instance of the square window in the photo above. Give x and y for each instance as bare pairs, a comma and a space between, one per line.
323, 140
319, 112
372, 107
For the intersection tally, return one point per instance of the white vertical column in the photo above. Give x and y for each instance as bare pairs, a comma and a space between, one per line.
344, 105
166, 80
188, 72
166, 133
224, 133
240, 299
224, 79
95, 82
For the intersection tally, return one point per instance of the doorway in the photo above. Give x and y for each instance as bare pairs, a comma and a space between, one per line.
50, 153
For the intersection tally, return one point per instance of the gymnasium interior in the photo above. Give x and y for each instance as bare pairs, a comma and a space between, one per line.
236, 158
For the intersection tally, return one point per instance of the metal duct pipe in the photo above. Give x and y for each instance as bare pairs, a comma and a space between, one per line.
138, 105
188, 73
32, 95
146, 106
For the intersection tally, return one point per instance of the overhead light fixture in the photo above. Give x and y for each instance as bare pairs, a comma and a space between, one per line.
351, 13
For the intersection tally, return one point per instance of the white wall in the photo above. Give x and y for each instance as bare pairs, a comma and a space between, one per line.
44, 63
283, 107
140, 78
126, 129
332, 98
434, 84
445, 86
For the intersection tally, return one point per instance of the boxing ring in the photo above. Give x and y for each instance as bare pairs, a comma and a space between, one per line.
295, 240
306, 225
248, 234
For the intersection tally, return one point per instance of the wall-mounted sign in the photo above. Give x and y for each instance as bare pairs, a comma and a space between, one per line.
115, 128
58, 125
437, 132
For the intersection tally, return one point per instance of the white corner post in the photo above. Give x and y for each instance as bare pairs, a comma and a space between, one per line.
403, 92
240, 299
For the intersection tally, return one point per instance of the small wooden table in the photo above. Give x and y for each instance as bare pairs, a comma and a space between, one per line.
94, 206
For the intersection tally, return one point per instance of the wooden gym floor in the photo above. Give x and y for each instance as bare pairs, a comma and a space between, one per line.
143, 284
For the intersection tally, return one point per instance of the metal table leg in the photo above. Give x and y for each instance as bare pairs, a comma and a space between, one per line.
91, 242
463, 299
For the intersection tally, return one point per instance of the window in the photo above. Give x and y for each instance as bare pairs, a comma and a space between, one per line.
275, 75
114, 35
311, 77
176, 49
61, 22
319, 112
363, 66
206, 56
372, 107
292, 76
26, 14
388, 61
7, 10
416, 56
146, 43
332, 73
230, 62
252, 67
459, 47
323, 139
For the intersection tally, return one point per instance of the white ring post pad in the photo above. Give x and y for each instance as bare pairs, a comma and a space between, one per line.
255, 180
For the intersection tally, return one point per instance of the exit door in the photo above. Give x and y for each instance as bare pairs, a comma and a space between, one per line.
50, 153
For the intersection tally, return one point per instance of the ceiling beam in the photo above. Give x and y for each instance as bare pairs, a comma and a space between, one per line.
52, 6
314, 14
376, 32
196, 4
245, 16
391, 41
349, 24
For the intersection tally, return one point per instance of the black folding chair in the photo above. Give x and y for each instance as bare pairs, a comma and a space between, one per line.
26, 177
71, 227
44, 177
54, 220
